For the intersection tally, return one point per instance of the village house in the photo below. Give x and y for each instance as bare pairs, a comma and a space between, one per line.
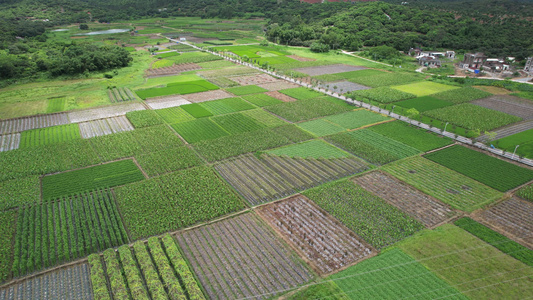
429, 61
529, 66
473, 60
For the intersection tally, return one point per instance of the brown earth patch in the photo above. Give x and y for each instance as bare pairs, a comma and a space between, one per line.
299, 58
280, 96
493, 90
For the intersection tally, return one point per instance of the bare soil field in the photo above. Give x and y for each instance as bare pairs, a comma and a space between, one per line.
173, 70
9, 141
241, 258
280, 96
104, 127
278, 85
226, 72
493, 89
342, 87
66, 283
166, 102
254, 79
103, 112
428, 210
207, 96
322, 240
331, 69
33, 122
508, 104
299, 58
513, 218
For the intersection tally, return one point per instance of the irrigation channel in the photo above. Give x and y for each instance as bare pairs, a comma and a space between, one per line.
456, 137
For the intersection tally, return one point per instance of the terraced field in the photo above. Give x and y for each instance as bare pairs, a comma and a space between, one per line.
241, 258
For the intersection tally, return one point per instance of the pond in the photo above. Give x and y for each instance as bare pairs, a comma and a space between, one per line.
109, 31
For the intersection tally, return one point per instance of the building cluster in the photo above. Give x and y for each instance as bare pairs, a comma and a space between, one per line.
431, 59
479, 61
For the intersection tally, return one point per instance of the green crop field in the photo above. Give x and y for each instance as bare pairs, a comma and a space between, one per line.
372, 146
413, 136
472, 266
161, 63
315, 149
182, 88
177, 200
462, 95
174, 115
263, 117
381, 94
261, 100
450, 187
262, 139
49, 135
56, 104
167, 54
393, 275
423, 103
302, 110
144, 118
101, 176
369, 216
199, 130
424, 88
382, 79
245, 90
168, 160
497, 240
196, 110
7, 223
301, 93
321, 127
237, 123
524, 139
526, 192
356, 119
472, 117
226, 106
19, 192
489, 170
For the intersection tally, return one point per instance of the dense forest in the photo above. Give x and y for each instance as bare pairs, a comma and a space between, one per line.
497, 27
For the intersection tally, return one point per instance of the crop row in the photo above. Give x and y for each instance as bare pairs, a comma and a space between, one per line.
107, 126
369, 216
153, 271
49, 135
56, 232
496, 173
241, 258
168, 160
120, 95
307, 109
9, 141
381, 94
101, 176
144, 118
7, 223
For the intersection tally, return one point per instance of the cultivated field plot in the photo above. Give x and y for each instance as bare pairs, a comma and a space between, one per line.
418, 205
104, 127
331, 69
496, 173
185, 85
314, 148
513, 217
370, 217
207, 96
450, 187
49, 135
462, 95
241, 258
508, 104
393, 275
319, 238
9, 141
120, 95
158, 263
273, 177
280, 96
424, 88
254, 79
34, 122
61, 231
342, 87
278, 85
166, 102
383, 95
172, 70
103, 112
228, 72
100, 176
66, 283
475, 268
423, 103
174, 115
